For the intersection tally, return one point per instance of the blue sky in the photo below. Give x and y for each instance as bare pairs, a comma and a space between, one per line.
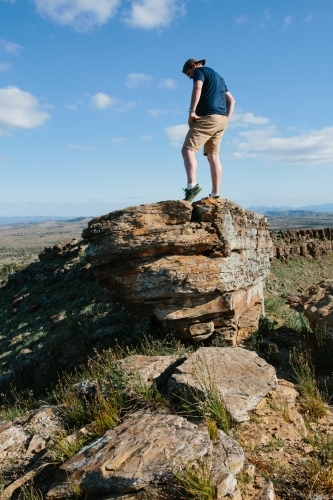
93, 104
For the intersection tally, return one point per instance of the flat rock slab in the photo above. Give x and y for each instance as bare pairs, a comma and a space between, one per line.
141, 454
318, 305
240, 376
151, 368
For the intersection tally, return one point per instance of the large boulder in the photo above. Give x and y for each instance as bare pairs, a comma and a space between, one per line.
240, 376
317, 302
200, 268
143, 453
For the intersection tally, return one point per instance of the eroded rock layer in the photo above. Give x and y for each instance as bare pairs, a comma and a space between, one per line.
200, 267
307, 243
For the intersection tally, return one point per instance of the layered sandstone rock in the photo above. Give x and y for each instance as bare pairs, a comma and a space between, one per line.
308, 243
317, 302
199, 267
239, 376
143, 453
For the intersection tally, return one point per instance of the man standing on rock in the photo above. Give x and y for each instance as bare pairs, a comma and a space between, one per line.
211, 108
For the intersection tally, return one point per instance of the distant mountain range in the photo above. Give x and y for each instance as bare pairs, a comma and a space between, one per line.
263, 209
33, 219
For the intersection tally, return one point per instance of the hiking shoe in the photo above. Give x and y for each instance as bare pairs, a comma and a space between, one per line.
190, 194
217, 196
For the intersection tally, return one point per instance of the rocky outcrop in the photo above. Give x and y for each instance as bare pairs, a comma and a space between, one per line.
66, 249
199, 268
307, 243
143, 454
317, 302
23, 446
239, 376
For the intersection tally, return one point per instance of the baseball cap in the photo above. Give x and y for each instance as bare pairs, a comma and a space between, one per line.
189, 62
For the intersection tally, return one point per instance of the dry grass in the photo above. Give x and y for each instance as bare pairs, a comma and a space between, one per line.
312, 400
29, 492
194, 481
205, 402
65, 446
212, 429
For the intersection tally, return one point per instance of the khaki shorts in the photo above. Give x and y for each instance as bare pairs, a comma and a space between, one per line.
207, 132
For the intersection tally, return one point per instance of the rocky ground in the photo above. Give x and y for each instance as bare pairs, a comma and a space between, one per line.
141, 428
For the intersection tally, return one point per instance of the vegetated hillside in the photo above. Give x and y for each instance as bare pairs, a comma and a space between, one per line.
51, 310
20, 243
54, 316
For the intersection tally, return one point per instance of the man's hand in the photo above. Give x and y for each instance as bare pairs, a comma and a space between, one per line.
192, 117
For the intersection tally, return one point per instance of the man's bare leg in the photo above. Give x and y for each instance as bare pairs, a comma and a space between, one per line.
215, 170
190, 163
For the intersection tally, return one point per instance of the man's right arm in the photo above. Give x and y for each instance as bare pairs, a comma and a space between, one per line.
230, 104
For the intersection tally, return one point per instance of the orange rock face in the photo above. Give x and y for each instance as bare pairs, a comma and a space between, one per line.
199, 267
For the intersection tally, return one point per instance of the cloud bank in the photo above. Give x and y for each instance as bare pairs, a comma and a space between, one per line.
312, 148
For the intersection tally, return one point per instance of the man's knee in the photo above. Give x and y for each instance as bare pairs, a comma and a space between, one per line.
187, 152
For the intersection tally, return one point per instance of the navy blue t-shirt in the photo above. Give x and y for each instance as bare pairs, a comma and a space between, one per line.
212, 100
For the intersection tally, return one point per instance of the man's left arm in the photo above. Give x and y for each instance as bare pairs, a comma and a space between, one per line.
230, 104
196, 93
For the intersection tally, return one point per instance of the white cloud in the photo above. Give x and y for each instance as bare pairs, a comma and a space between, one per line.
118, 139
287, 21
2, 159
167, 83
133, 80
313, 148
267, 13
83, 15
243, 19
124, 107
155, 113
176, 133
10, 47
101, 101
240, 119
84, 147
150, 14
19, 109
72, 107
146, 137
5, 66
308, 18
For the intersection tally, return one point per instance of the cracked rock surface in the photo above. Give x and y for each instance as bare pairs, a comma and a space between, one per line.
241, 377
143, 452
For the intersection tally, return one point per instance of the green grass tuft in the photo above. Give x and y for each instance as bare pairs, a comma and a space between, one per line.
195, 481
313, 401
